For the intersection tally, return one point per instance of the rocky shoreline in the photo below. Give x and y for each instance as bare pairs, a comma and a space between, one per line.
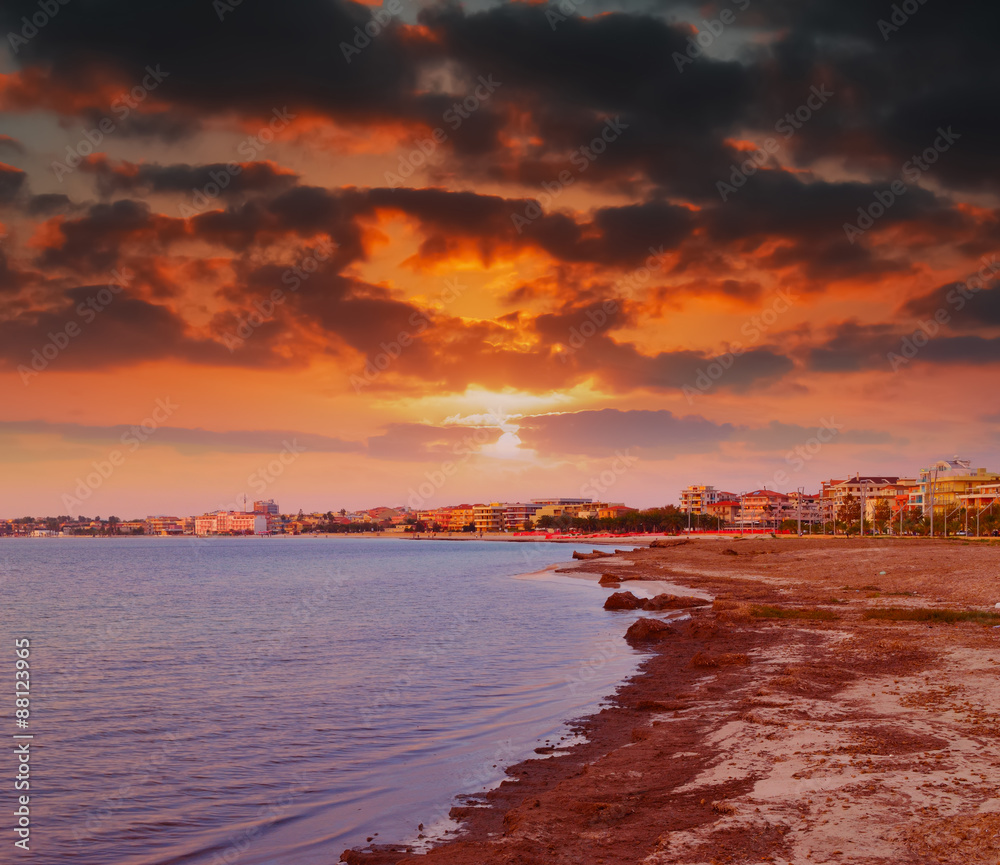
837, 702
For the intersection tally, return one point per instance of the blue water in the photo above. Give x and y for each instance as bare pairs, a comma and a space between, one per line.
278, 700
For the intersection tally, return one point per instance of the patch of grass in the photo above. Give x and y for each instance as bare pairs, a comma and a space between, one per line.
925, 614
765, 611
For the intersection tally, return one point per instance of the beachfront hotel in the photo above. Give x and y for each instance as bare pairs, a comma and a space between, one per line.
225, 522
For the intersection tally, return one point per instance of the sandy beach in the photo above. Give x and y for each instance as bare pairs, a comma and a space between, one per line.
837, 702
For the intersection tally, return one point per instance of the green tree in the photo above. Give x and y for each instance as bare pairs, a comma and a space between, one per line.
882, 515
849, 513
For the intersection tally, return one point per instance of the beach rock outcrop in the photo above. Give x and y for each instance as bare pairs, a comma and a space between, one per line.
596, 554
648, 631
376, 854
610, 580
623, 601
660, 543
673, 602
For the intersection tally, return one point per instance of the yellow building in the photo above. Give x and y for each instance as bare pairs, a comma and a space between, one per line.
947, 486
461, 516
488, 518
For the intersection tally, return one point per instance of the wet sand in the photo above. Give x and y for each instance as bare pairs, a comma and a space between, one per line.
750, 735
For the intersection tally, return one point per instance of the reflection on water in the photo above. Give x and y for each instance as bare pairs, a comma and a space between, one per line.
255, 701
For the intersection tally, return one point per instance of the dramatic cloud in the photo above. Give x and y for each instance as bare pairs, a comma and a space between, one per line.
233, 441
629, 227
600, 433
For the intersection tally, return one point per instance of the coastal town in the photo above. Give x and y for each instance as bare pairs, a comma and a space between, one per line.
950, 497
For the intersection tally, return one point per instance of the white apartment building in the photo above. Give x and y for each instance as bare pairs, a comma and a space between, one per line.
696, 498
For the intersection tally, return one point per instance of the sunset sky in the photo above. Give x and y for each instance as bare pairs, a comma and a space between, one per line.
494, 251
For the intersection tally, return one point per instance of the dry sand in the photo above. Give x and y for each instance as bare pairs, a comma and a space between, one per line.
753, 738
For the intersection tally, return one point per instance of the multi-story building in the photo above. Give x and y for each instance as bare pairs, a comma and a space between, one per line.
870, 488
727, 510
231, 522
945, 487
569, 510
438, 516
762, 508
983, 498
545, 502
488, 518
517, 514
804, 506
266, 507
696, 498
163, 525
612, 511
461, 516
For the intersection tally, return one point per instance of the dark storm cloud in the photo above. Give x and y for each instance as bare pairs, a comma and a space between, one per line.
11, 181
854, 347
561, 80
230, 179
974, 303
93, 242
11, 279
259, 57
125, 331
48, 203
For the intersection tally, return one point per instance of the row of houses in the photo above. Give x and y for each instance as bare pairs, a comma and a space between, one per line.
938, 493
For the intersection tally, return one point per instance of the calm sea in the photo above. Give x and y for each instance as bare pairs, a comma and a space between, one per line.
277, 700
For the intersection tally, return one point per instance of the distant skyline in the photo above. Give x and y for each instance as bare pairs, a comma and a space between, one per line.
340, 253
